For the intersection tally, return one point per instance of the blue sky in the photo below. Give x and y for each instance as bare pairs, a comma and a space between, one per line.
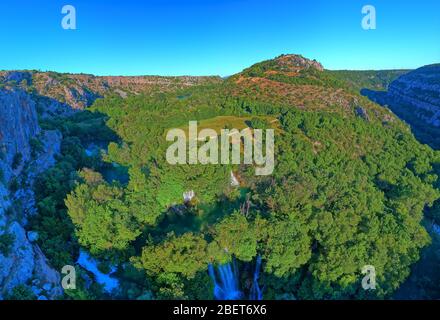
215, 37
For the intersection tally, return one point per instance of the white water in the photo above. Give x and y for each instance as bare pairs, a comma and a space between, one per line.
226, 287
256, 292
91, 265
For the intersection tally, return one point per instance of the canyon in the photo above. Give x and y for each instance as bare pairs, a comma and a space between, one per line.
28, 147
415, 98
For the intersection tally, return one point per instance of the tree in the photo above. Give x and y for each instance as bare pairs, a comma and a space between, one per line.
185, 255
102, 220
287, 247
233, 236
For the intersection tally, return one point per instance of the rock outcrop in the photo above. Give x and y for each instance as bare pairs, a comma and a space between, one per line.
23, 262
419, 90
289, 61
16, 267
18, 124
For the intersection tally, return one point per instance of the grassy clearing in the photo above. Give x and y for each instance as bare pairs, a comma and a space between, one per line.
239, 123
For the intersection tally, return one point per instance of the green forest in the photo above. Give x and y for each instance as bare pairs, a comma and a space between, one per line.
351, 187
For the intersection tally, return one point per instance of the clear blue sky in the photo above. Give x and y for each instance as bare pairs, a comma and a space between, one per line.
204, 37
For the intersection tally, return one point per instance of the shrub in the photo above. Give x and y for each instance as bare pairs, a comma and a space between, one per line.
13, 185
258, 123
17, 160
21, 292
2, 152
36, 147
6, 242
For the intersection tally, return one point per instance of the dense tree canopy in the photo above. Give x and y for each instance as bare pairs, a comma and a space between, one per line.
348, 190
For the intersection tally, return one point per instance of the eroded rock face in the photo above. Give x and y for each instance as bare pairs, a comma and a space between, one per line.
51, 142
47, 278
18, 77
26, 262
5, 203
18, 124
16, 268
23, 262
294, 60
415, 98
61, 94
419, 90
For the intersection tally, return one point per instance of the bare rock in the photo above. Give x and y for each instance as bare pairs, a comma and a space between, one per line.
361, 112
18, 124
46, 275
16, 268
32, 236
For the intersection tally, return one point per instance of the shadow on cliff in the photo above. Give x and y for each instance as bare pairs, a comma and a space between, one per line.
424, 133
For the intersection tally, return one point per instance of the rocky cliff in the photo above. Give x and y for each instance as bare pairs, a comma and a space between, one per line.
415, 97
421, 90
18, 124
21, 261
62, 93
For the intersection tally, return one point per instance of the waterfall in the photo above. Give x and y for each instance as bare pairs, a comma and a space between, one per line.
234, 180
227, 286
256, 293
87, 262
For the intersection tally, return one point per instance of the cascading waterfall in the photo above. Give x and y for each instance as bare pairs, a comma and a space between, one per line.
227, 286
256, 293
90, 264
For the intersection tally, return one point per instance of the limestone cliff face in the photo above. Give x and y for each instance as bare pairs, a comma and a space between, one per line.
420, 91
23, 262
18, 124
415, 98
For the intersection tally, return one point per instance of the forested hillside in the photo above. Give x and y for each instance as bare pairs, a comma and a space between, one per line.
349, 189
373, 80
